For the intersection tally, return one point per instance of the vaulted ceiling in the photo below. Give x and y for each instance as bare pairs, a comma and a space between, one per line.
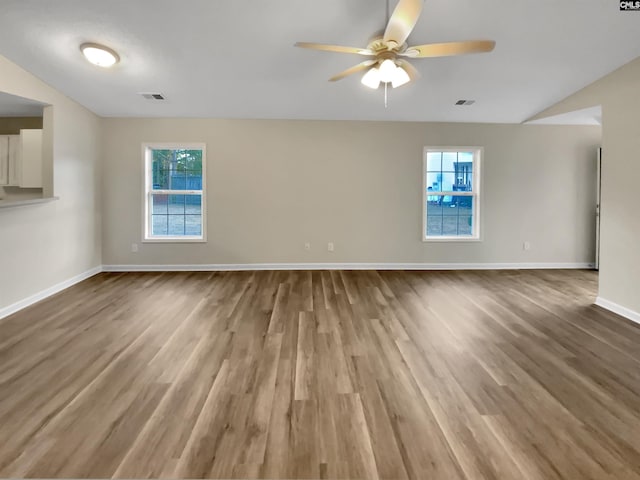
235, 58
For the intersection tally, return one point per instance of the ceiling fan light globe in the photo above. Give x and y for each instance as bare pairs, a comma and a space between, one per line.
371, 79
387, 70
400, 77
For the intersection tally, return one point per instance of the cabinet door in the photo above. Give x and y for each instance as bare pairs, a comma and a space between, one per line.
4, 159
30, 159
14, 160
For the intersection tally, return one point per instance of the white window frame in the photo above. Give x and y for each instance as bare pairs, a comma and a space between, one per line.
478, 153
147, 192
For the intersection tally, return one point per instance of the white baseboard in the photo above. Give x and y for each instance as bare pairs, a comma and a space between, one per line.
342, 266
6, 311
618, 309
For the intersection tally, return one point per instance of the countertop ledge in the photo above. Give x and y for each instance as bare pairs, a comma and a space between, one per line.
23, 203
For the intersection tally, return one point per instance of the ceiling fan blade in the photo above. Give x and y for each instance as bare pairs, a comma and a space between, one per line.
413, 73
449, 49
350, 71
334, 48
402, 21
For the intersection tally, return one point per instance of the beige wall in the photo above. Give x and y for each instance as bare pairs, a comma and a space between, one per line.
43, 245
620, 228
274, 185
620, 249
618, 93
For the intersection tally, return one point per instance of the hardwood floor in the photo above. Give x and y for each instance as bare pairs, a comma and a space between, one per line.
396, 375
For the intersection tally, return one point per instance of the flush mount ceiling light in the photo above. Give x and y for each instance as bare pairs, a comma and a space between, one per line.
99, 55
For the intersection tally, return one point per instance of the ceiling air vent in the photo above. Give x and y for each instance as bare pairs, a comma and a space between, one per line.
152, 96
465, 102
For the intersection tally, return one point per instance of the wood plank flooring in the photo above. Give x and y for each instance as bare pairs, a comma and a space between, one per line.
323, 374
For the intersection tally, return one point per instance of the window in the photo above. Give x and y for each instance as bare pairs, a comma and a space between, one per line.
174, 193
451, 194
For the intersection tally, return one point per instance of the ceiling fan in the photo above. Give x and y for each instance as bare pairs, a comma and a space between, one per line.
389, 50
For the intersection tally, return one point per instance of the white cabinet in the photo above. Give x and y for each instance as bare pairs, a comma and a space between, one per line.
4, 160
29, 161
21, 159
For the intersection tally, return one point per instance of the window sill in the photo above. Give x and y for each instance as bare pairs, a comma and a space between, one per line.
175, 240
452, 239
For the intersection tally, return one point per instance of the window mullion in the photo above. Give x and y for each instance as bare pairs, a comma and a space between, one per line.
176, 192
454, 194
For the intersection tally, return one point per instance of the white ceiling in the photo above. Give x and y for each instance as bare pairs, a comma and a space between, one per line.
235, 58
13, 106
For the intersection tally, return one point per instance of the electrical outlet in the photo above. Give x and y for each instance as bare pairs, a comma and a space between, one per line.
307, 246
134, 247
526, 246
330, 246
